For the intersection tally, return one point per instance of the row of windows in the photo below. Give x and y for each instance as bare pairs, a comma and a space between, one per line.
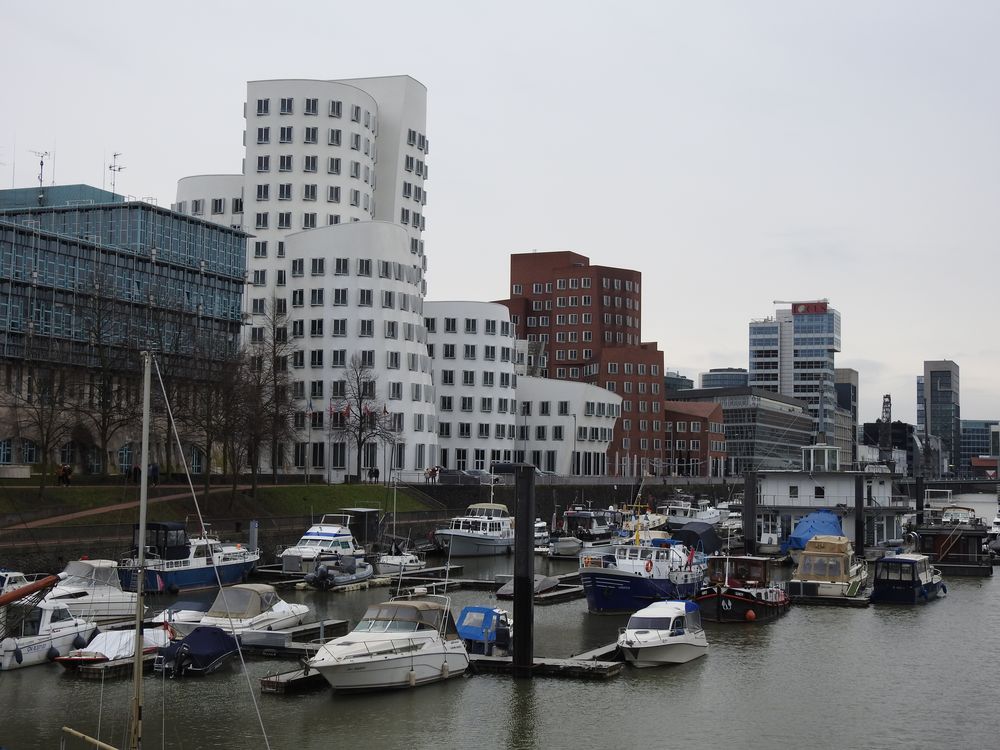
413, 138
487, 379
218, 206
416, 192
310, 192
310, 106
310, 164
262, 219
310, 136
628, 386
471, 326
470, 352
576, 283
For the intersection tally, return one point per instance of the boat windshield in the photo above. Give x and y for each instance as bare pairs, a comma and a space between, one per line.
822, 566
650, 623
399, 618
389, 626
894, 571
242, 603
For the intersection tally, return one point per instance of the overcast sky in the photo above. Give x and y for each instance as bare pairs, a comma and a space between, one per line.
733, 152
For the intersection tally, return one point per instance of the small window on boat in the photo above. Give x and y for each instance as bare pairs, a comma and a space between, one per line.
59, 614
833, 567
473, 620
649, 623
201, 550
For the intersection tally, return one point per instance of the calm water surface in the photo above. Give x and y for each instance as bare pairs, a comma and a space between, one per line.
881, 677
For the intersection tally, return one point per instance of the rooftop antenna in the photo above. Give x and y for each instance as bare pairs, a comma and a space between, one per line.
115, 168
41, 166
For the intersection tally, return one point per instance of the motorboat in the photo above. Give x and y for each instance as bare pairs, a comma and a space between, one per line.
828, 570
397, 644
818, 523
584, 530
112, 645
626, 578
681, 512
336, 574
741, 588
485, 529
37, 632
668, 632
330, 539
92, 590
953, 515
203, 651
644, 520
906, 579
398, 560
245, 606
485, 630
176, 562
541, 533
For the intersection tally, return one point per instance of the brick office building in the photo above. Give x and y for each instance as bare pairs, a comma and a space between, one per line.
695, 443
582, 322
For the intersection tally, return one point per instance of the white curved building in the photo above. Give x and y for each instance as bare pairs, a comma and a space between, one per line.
352, 291
471, 347
213, 197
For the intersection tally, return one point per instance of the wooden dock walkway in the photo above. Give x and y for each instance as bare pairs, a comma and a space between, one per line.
296, 642
576, 668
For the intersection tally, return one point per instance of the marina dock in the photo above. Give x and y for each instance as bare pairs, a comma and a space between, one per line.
575, 668
296, 642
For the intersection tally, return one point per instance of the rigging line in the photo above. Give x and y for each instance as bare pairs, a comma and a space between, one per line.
215, 568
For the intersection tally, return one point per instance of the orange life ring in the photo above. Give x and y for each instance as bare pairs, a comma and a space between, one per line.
649, 566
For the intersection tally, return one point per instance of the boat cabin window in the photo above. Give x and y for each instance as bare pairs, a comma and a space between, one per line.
473, 619
388, 626
888, 571
31, 623
649, 623
201, 551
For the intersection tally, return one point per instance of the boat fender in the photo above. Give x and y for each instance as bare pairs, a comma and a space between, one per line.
79, 641
751, 615
944, 589
444, 671
649, 566
411, 678
52, 653
18, 655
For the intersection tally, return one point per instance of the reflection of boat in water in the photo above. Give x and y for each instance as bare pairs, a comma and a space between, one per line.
828, 569
663, 633
741, 588
906, 579
397, 644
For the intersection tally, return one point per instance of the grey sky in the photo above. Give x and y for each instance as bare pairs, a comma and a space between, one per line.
734, 152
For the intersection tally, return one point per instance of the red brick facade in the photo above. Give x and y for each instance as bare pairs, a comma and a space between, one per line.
694, 439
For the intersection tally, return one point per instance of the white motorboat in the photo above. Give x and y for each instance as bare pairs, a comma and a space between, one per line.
35, 633
584, 530
400, 561
397, 644
541, 533
663, 633
245, 606
485, 529
92, 590
330, 539
112, 645
684, 511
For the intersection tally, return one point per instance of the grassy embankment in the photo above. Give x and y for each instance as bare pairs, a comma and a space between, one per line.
285, 500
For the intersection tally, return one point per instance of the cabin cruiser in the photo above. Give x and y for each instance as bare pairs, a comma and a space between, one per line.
34, 633
92, 590
112, 645
398, 559
176, 562
329, 539
828, 569
584, 530
741, 588
397, 644
626, 578
684, 511
245, 606
953, 515
906, 579
485, 630
541, 533
667, 632
485, 529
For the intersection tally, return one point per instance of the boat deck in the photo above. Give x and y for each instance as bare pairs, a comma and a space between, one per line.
863, 599
114, 668
301, 640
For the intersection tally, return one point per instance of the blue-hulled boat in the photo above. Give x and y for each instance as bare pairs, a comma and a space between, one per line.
203, 651
485, 630
176, 562
628, 577
906, 579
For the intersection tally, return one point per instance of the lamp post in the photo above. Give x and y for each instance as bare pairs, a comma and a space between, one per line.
573, 464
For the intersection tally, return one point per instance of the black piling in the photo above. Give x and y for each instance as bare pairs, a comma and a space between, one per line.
524, 565
859, 514
920, 501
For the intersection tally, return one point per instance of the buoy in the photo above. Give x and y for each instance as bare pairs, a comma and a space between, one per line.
751, 615
412, 678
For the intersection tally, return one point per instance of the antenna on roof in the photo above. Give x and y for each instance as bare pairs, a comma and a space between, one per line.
115, 168
41, 165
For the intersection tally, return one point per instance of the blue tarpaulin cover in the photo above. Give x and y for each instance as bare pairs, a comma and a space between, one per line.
819, 522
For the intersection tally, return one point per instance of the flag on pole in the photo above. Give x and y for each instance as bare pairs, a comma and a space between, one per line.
347, 411
309, 409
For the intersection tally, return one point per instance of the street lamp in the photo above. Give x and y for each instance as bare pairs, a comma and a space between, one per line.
573, 464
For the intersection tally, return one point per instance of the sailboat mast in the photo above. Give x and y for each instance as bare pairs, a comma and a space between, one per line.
135, 736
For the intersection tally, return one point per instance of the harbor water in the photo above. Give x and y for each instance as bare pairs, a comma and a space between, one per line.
819, 677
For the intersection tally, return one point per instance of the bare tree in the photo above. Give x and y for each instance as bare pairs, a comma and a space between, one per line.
359, 416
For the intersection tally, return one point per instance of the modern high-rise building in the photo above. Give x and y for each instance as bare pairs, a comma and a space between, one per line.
846, 434
941, 398
975, 442
793, 354
582, 322
723, 377
347, 158
674, 381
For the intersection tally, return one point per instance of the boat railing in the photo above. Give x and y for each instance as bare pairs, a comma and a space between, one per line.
394, 646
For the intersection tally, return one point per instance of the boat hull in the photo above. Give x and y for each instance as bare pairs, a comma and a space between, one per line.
188, 578
666, 653
394, 672
611, 591
919, 594
469, 545
728, 605
102, 611
41, 649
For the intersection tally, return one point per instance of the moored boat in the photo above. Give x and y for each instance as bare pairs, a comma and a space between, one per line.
397, 644
35, 633
330, 539
203, 651
92, 590
336, 574
485, 529
682, 512
906, 579
667, 632
740, 588
626, 578
485, 630
245, 606
112, 645
583, 529
828, 572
